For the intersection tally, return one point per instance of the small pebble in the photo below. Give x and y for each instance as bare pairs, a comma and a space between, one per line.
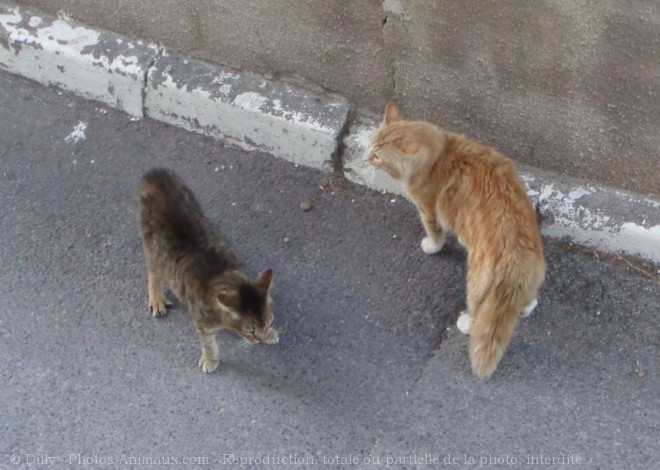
305, 206
286, 239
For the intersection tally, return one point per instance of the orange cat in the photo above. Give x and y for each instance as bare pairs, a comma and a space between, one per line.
465, 187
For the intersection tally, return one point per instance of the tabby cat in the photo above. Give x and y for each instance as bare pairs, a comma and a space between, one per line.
183, 250
470, 189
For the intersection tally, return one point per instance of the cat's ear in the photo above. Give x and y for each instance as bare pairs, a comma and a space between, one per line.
391, 113
265, 279
228, 298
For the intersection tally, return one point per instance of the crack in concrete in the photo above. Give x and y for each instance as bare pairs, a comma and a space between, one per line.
145, 80
337, 157
392, 58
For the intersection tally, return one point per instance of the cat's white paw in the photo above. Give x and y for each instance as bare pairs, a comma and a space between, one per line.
464, 323
527, 311
208, 365
271, 337
431, 246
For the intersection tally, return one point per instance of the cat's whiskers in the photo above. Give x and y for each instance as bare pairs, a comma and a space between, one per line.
243, 344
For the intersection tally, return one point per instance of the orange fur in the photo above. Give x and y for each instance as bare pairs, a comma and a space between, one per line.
470, 189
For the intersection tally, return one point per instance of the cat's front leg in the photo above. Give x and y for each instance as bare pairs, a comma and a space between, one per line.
158, 303
210, 359
435, 236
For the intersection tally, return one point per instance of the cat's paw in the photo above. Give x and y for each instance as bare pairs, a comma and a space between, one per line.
158, 307
431, 246
208, 365
464, 323
271, 337
527, 311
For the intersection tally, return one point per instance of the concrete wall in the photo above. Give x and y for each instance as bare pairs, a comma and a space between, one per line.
565, 85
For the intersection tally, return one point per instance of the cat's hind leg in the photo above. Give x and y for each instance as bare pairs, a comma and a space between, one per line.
527, 311
210, 359
158, 303
475, 293
464, 322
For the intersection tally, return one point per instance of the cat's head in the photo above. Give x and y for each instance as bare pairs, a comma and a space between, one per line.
399, 147
250, 308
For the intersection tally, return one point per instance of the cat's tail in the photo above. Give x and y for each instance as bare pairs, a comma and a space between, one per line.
495, 315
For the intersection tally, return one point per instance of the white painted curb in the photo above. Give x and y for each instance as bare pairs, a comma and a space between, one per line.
87, 62
246, 109
602, 218
287, 121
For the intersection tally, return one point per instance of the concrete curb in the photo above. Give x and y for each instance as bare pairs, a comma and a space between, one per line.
246, 109
289, 121
90, 63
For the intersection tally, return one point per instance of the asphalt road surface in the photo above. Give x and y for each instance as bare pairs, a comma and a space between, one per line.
370, 371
